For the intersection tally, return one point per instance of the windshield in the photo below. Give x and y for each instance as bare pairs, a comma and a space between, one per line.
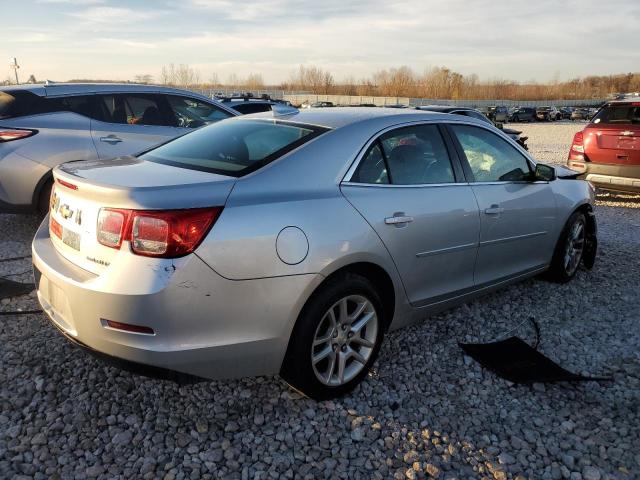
233, 147
628, 113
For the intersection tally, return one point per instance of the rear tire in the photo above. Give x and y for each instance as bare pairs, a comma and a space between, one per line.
336, 338
569, 249
45, 197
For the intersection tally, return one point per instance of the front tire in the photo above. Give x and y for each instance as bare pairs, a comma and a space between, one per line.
569, 249
336, 339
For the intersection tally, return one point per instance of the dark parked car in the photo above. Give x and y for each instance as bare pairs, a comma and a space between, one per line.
524, 114
321, 105
566, 112
607, 151
470, 112
247, 104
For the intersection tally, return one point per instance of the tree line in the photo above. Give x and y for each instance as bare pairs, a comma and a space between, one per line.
434, 83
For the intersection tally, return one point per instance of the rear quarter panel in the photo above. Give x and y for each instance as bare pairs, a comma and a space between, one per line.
61, 137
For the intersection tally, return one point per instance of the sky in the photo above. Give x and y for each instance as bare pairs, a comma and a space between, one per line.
538, 40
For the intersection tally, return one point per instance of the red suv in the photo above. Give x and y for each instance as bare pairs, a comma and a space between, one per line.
607, 151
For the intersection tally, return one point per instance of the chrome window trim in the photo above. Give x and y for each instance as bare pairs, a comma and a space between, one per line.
415, 185
460, 120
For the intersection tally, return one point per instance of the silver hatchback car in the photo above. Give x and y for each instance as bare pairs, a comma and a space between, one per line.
42, 126
290, 243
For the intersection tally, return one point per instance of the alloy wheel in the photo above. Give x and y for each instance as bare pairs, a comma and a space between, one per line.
574, 247
344, 340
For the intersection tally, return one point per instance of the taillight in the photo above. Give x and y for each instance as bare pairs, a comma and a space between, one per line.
156, 233
577, 147
9, 134
111, 224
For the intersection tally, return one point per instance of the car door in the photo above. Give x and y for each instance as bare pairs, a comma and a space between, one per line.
189, 113
517, 215
128, 123
410, 190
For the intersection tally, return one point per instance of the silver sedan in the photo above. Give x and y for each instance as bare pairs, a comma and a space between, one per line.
291, 242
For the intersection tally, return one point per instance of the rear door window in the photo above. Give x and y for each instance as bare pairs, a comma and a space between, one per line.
134, 109
619, 114
407, 156
235, 147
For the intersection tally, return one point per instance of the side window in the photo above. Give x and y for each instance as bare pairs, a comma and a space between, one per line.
490, 157
192, 113
372, 168
132, 109
417, 155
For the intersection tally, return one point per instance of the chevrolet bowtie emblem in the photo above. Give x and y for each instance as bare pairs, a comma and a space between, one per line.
65, 211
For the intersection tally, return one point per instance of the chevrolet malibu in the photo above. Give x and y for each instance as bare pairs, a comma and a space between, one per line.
291, 243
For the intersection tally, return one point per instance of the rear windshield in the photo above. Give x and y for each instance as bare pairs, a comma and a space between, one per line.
17, 103
233, 147
619, 114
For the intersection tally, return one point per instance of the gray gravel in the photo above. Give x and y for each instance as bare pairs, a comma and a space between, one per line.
425, 412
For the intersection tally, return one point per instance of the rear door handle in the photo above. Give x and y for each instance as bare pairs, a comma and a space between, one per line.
399, 219
494, 210
111, 139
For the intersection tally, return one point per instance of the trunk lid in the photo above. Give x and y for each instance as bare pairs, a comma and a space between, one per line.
618, 145
81, 189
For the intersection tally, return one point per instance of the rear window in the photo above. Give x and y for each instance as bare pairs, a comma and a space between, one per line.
233, 147
17, 103
619, 114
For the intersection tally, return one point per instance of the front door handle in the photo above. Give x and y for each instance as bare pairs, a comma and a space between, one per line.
494, 210
111, 139
399, 219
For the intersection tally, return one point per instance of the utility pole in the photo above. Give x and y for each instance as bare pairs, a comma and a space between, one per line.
14, 64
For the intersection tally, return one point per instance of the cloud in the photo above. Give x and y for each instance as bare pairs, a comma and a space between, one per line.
521, 40
113, 15
72, 2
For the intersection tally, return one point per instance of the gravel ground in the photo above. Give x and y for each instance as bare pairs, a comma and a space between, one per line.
426, 410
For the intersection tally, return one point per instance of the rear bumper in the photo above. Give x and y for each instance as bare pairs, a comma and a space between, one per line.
624, 178
204, 325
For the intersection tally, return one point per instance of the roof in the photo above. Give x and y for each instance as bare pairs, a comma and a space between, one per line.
337, 117
55, 89
442, 108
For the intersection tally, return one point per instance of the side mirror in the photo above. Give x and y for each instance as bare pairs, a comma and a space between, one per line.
544, 173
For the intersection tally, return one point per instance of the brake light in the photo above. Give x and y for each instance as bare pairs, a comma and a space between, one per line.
156, 233
10, 134
577, 147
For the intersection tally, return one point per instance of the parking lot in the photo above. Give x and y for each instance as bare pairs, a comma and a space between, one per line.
425, 411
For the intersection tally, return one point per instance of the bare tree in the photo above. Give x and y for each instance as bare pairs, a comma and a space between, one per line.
146, 78
182, 75
254, 82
